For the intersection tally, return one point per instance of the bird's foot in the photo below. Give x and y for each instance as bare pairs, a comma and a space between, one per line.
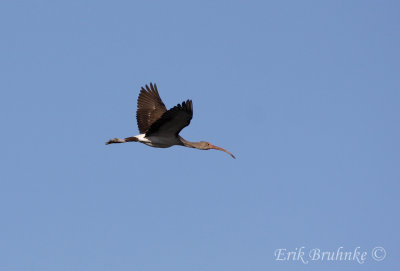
115, 140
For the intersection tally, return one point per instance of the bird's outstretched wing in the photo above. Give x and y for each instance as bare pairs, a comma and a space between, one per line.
150, 108
172, 121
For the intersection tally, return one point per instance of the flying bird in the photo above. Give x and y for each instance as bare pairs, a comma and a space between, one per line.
160, 127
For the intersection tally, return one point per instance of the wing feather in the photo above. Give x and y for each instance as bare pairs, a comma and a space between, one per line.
150, 107
172, 121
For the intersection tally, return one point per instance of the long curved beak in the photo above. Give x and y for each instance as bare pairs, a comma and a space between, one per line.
221, 149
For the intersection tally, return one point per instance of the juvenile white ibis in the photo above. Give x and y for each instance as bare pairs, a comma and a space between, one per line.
160, 128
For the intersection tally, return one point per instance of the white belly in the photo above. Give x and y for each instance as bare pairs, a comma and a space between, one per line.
158, 142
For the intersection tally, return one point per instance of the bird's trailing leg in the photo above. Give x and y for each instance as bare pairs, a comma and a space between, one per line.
119, 140
115, 140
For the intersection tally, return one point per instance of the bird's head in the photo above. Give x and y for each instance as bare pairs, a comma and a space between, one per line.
204, 145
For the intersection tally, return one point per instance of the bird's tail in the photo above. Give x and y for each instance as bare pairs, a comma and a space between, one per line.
119, 140
132, 138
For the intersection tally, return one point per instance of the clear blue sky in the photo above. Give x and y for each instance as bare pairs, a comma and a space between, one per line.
306, 94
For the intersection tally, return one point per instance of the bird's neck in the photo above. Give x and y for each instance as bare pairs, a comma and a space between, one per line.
187, 143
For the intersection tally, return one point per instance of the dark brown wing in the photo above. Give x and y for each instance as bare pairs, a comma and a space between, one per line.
149, 107
172, 121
